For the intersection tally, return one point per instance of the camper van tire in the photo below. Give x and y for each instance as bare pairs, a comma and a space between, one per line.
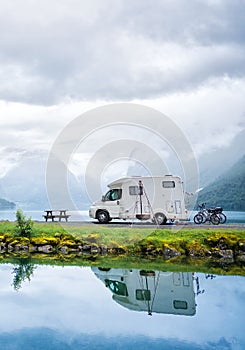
160, 219
103, 217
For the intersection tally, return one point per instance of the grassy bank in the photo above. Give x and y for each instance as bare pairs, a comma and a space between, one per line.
198, 246
179, 238
127, 236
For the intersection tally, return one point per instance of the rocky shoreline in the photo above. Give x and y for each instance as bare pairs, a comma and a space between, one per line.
64, 245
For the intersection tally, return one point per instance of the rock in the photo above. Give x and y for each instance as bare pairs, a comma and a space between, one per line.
225, 254
2, 246
45, 248
169, 252
86, 247
198, 252
222, 244
10, 248
241, 257
73, 250
32, 248
95, 249
19, 247
112, 250
63, 249
104, 250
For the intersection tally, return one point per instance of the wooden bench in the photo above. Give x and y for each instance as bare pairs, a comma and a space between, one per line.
53, 214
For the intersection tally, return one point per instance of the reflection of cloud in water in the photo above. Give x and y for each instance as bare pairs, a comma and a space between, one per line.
45, 338
73, 301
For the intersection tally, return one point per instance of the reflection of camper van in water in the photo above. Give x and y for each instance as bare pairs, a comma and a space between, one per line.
151, 291
159, 198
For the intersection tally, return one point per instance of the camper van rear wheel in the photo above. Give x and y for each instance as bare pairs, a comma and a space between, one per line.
160, 219
103, 217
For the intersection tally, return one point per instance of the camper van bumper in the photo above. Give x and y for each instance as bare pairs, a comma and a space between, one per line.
92, 212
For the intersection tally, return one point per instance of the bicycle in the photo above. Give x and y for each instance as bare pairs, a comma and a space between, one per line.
207, 214
219, 212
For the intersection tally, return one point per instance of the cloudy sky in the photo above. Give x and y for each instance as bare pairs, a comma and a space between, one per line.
60, 58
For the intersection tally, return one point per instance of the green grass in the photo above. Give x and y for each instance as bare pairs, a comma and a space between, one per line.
130, 235
203, 238
137, 243
102, 235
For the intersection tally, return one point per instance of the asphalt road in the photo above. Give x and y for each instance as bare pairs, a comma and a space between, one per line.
150, 225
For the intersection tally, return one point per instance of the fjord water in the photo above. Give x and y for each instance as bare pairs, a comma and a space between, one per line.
232, 216
51, 307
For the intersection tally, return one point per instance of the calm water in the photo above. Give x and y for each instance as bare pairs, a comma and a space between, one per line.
232, 216
38, 215
92, 308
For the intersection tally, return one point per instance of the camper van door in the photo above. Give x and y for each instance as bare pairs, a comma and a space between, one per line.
112, 201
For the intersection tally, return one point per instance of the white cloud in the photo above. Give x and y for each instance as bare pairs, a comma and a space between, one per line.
116, 49
59, 59
9, 159
210, 116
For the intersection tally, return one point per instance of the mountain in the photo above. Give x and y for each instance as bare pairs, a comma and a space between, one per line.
216, 162
26, 186
4, 204
228, 190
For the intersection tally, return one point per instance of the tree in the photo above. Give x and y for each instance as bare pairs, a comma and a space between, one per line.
23, 225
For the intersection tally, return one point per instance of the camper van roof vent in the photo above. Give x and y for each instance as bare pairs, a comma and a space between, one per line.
168, 175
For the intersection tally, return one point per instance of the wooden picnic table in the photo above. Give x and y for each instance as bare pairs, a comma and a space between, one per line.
53, 214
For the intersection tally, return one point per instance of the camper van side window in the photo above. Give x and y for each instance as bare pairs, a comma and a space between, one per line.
168, 184
134, 190
113, 195
180, 304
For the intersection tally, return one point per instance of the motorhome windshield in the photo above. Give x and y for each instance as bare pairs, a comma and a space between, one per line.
113, 195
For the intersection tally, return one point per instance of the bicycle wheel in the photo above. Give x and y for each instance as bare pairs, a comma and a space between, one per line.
214, 218
204, 218
198, 219
222, 218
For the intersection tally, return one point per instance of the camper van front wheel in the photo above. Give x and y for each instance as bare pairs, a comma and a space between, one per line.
103, 217
160, 219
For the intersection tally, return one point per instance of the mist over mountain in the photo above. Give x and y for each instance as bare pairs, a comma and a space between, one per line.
25, 184
228, 190
216, 162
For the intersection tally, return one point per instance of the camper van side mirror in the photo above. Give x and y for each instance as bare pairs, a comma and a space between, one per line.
103, 198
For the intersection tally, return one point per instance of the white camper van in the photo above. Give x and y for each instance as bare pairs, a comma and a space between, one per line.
157, 198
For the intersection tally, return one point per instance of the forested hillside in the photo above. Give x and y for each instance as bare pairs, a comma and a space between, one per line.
228, 190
